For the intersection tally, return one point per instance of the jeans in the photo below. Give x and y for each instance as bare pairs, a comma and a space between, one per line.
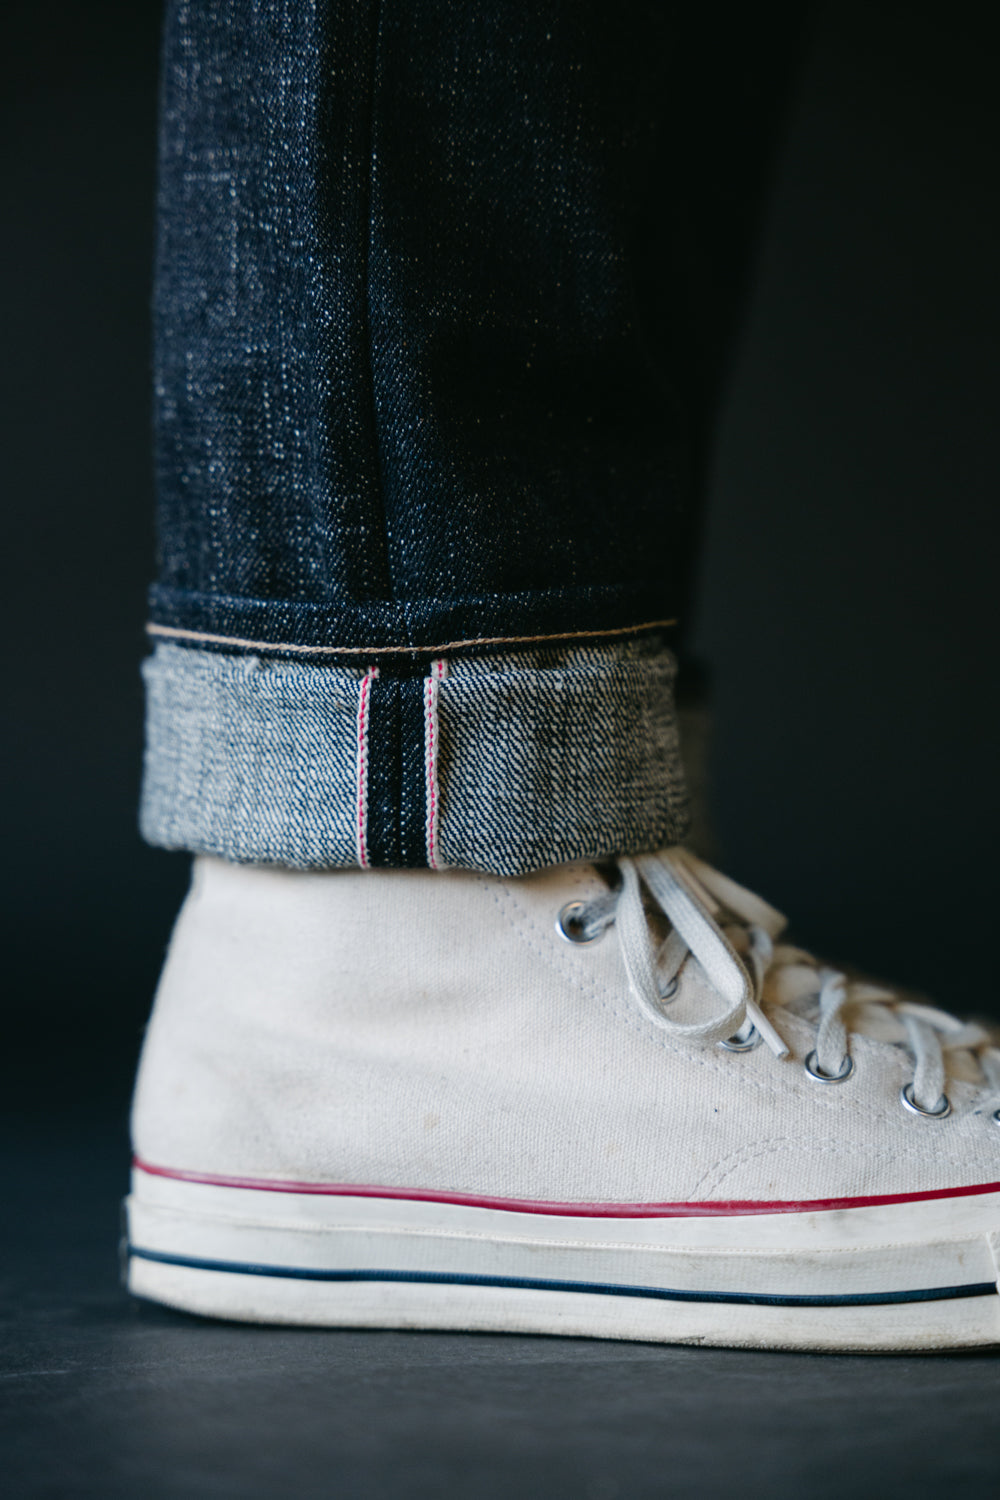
443, 295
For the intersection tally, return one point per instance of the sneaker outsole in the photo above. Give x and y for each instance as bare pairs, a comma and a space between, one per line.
919, 1274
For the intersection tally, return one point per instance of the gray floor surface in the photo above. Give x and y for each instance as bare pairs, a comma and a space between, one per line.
105, 1397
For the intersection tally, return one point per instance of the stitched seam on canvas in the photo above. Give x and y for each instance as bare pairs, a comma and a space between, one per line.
361, 804
177, 633
744, 1155
712, 1180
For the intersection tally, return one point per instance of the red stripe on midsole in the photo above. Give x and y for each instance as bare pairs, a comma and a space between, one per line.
704, 1210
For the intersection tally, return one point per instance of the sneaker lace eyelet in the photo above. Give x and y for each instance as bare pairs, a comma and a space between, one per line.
738, 1043
571, 928
940, 1111
815, 1072
996, 1117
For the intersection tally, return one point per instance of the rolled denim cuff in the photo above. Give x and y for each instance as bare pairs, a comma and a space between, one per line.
503, 763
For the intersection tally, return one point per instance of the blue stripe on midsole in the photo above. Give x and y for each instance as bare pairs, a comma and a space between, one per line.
598, 1288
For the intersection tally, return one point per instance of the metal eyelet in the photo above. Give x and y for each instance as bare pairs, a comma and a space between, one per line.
670, 989
996, 1117
940, 1112
814, 1070
569, 928
737, 1043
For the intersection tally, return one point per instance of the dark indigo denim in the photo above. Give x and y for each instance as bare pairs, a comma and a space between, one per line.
430, 356
443, 292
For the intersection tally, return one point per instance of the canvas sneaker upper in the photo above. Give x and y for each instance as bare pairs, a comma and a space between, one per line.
630, 1034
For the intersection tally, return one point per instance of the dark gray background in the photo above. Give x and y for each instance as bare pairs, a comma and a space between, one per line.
847, 617
849, 601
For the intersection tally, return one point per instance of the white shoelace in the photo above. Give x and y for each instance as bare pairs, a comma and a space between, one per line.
732, 934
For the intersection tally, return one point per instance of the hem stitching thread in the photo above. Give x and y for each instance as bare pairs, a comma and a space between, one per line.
176, 632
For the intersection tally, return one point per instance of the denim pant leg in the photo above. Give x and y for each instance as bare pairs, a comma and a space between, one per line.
428, 396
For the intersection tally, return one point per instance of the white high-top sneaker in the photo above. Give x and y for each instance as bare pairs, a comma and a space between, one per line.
587, 1102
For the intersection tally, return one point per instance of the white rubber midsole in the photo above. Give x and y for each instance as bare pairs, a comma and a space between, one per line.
395, 1262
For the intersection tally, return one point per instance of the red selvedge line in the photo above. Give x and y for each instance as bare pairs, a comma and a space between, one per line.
361, 813
431, 689
704, 1210
431, 787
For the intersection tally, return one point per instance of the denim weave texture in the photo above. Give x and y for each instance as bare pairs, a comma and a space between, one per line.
571, 756
410, 352
442, 295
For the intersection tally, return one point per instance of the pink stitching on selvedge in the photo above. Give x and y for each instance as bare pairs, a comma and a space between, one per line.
361, 811
431, 737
